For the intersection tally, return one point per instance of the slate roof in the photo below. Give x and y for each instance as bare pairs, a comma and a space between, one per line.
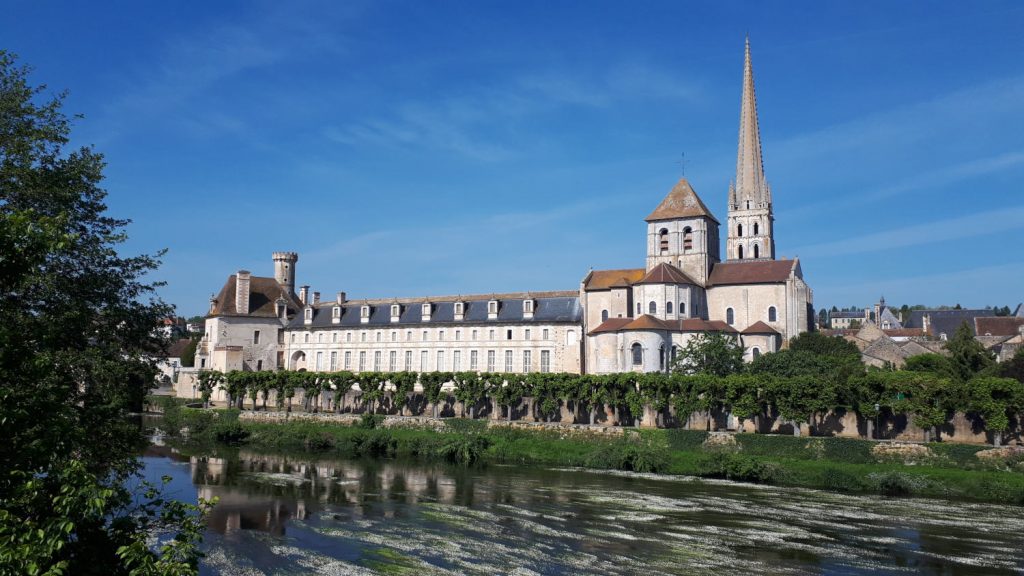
606, 279
548, 310
666, 274
648, 322
681, 202
753, 272
998, 326
847, 314
263, 293
944, 321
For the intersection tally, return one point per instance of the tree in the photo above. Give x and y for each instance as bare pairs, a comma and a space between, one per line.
188, 355
1014, 367
967, 356
77, 329
710, 353
818, 343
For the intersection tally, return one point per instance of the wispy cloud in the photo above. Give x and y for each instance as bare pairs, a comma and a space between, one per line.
969, 226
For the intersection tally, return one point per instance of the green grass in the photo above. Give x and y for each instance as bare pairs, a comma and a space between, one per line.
836, 464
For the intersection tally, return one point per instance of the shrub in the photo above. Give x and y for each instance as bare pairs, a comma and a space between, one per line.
895, 483
230, 433
840, 480
737, 467
319, 442
685, 440
462, 449
370, 421
630, 456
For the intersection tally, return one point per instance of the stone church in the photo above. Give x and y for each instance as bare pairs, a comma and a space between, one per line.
618, 320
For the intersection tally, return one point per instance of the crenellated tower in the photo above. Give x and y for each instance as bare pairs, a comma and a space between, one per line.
750, 220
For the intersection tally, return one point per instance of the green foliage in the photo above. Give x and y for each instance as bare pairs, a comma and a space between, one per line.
631, 455
1014, 367
188, 355
77, 334
685, 440
232, 433
462, 449
465, 426
739, 467
967, 356
996, 400
840, 480
713, 353
822, 345
369, 421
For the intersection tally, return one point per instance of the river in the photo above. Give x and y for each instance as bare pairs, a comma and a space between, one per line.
289, 514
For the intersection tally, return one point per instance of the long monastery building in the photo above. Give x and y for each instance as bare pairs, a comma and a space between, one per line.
617, 320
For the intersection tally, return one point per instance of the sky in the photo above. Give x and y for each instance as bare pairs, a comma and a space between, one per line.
410, 149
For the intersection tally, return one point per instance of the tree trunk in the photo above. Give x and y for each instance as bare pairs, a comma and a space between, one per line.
593, 415
927, 435
870, 425
997, 439
796, 428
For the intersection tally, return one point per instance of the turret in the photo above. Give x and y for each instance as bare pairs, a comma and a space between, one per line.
284, 269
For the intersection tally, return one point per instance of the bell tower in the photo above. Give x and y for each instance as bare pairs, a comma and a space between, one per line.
750, 221
682, 232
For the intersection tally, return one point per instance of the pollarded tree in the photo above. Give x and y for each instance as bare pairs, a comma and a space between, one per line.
77, 331
713, 353
996, 400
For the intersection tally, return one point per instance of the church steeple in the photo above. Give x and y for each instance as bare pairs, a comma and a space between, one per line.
750, 199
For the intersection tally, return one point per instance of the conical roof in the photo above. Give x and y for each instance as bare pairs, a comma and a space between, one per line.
750, 182
682, 202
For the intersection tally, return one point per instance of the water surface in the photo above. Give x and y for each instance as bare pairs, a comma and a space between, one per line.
281, 514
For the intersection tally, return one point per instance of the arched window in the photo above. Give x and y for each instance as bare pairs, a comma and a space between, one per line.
756, 353
639, 310
604, 315
687, 239
772, 315
757, 251
661, 358
730, 317
668, 307
682, 308
739, 250
675, 352
663, 240
755, 228
739, 229
638, 354
652, 307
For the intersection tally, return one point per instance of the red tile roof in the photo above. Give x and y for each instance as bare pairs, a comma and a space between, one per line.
753, 272
759, 327
998, 325
666, 274
681, 202
648, 322
605, 279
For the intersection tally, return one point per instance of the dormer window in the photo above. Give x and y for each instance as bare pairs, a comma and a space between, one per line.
492, 309
309, 315
460, 310
396, 312
528, 306
364, 314
426, 309
336, 314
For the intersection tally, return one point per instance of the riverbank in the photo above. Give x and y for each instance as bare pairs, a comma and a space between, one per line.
958, 472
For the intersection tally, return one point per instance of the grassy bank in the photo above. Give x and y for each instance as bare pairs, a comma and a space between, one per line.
837, 464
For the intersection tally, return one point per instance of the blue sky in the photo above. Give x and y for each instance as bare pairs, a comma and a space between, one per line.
417, 148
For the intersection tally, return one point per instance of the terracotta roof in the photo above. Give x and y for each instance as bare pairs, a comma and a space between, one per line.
666, 274
753, 272
699, 325
998, 326
263, 292
645, 322
176, 349
903, 332
648, 322
611, 325
681, 202
605, 279
759, 327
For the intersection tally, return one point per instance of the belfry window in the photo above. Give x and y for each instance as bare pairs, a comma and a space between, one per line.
739, 229
663, 241
730, 317
739, 252
639, 309
755, 229
757, 251
638, 354
687, 239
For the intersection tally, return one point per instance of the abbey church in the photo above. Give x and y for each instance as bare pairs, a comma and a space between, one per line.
621, 320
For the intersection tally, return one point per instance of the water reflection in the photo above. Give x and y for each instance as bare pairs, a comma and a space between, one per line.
289, 514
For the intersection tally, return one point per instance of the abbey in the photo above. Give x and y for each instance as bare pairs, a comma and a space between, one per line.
618, 320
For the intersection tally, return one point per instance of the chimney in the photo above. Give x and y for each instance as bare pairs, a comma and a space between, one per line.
316, 298
341, 298
304, 295
867, 314
925, 324
242, 291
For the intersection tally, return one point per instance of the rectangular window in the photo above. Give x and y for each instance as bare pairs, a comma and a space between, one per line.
545, 334
255, 337
491, 335
348, 360
474, 334
376, 361
473, 360
424, 338
508, 360
545, 361
440, 335
348, 336
408, 335
394, 336
490, 360
457, 360
527, 360
423, 361
458, 335
508, 334
362, 336
362, 361
259, 365
392, 361
319, 361
440, 360
408, 360
526, 334
280, 360
378, 336
334, 337
334, 361
280, 335
293, 338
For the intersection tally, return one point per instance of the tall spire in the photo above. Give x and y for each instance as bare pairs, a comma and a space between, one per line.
750, 183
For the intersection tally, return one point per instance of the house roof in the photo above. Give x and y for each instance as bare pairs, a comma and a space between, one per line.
176, 349
605, 279
648, 322
263, 293
944, 321
847, 314
998, 326
753, 272
903, 332
547, 309
759, 327
666, 274
681, 202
